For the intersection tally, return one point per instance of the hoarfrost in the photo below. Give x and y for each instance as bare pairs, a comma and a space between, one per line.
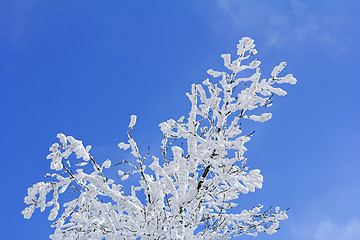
132, 121
190, 189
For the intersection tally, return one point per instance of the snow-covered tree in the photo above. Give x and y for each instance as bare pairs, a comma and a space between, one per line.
190, 188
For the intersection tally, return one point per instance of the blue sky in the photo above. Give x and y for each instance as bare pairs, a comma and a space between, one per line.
83, 67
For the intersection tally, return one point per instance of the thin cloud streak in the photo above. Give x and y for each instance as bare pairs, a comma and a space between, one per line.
328, 229
15, 18
299, 25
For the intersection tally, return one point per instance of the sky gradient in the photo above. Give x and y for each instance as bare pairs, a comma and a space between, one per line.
83, 67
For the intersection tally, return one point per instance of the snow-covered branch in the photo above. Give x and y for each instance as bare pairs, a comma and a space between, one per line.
190, 190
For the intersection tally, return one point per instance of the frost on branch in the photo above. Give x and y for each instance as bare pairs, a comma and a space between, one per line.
190, 188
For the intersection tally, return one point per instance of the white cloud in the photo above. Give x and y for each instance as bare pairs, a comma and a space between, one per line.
14, 18
299, 23
328, 230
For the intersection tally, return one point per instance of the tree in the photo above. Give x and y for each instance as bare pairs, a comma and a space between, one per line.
189, 190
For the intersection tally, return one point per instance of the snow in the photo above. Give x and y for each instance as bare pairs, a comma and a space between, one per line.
190, 189
132, 121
